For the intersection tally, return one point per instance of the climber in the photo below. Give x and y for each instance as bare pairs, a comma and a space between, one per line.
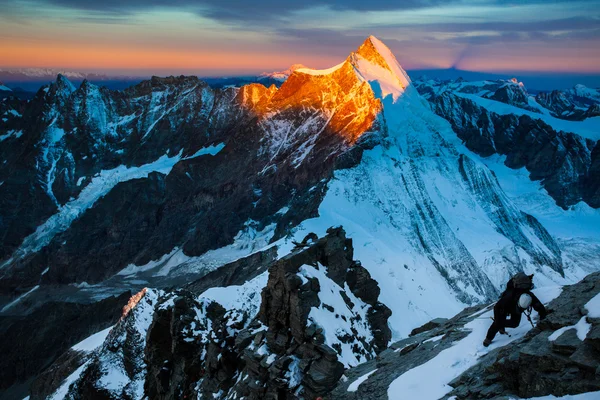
516, 299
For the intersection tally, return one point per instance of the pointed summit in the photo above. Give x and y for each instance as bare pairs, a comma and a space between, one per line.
374, 61
64, 85
370, 52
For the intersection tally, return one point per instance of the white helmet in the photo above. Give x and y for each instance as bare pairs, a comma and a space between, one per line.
524, 301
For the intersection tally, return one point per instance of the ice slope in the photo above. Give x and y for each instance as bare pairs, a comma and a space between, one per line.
428, 219
93, 342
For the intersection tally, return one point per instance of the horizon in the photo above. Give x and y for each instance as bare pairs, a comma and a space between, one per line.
209, 38
534, 81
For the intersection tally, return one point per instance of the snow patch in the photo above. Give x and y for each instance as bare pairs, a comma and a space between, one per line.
12, 133
93, 342
19, 299
354, 385
248, 241
593, 307
63, 390
310, 71
434, 339
582, 327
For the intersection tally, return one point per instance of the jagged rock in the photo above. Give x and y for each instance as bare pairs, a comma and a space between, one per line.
434, 323
181, 344
362, 285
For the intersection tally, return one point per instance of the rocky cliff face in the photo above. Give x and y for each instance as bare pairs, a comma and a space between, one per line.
562, 161
317, 315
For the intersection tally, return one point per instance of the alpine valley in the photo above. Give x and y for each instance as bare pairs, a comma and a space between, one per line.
336, 234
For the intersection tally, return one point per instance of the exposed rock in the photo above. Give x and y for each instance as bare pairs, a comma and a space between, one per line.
181, 345
434, 323
562, 161
536, 366
236, 272
46, 334
530, 366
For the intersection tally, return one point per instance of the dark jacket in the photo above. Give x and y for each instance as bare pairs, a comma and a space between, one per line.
509, 303
507, 313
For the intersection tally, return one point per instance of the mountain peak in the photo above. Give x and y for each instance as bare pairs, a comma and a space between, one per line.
375, 62
282, 75
64, 84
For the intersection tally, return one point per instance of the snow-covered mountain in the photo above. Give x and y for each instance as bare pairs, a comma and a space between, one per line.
575, 104
280, 76
46, 74
444, 195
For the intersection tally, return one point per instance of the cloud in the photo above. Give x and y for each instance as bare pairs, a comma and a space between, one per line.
229, 10
244, 10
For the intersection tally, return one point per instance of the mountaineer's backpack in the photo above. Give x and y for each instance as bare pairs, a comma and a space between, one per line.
520, 281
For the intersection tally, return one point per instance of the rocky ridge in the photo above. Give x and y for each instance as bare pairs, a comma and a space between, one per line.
180, 344
564, 162
560, 356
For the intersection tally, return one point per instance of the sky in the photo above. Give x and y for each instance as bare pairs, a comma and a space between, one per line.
240, 37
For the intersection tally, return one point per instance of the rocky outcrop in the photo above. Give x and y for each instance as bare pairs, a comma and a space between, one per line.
560, 356
576, 104
513, 92
318, 314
